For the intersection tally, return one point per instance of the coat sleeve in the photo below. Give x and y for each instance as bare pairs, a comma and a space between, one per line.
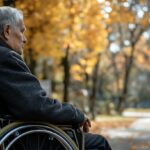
26, 100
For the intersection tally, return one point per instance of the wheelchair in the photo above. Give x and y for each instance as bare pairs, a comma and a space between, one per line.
18, 135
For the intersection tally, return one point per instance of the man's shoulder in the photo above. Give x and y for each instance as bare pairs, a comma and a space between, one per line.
4, 50
11, 58
8, 53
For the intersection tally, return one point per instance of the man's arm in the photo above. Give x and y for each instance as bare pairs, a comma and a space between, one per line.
25, 98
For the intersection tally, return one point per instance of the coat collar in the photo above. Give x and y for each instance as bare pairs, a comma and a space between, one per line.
4, 44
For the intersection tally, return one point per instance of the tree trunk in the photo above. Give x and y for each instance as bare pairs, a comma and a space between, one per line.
31, 62
94, 87
45, 68
66, 80
128, 67
135, 36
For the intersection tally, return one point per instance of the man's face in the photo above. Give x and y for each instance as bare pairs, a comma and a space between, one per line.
16, 38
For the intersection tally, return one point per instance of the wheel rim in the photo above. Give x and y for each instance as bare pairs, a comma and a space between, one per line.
16, 137
37, 140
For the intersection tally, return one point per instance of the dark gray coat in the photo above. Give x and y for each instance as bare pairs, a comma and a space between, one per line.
22, 96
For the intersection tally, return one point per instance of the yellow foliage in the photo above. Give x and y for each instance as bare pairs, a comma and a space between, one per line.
77, 77
145, 20
53, 25
1, 2
121, 14
75, 68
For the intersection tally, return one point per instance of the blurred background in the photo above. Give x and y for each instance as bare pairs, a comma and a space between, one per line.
94, 54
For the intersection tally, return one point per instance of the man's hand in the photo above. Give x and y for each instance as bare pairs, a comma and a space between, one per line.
86, 125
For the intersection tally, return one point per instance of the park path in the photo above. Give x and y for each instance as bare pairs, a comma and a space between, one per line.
135, 137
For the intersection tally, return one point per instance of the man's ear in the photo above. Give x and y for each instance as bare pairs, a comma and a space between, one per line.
6, 32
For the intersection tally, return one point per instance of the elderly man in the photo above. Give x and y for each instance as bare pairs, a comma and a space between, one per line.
21, 94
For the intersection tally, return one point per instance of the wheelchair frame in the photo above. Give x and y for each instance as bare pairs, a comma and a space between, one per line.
17, 130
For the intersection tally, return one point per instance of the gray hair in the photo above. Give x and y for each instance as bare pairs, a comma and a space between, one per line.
9, 16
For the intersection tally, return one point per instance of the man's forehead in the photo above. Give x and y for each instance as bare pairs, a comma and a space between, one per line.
21, 24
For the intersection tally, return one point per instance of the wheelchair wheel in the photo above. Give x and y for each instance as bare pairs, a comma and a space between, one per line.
34, 136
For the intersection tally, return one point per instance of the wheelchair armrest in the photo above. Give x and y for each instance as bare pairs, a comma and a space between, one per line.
6, 117
5, 120
76, 133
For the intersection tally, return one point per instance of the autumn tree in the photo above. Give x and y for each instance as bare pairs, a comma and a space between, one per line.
129, 25
63, 34
94, 37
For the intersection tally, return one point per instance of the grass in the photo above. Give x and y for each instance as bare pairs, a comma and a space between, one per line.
137, 110
102, 123
112, 118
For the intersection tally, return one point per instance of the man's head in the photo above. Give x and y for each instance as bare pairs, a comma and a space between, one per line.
12, 28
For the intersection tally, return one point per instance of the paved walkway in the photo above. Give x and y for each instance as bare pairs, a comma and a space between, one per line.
136, 137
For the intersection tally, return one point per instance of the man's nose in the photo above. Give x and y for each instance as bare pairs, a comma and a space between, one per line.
24, 39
